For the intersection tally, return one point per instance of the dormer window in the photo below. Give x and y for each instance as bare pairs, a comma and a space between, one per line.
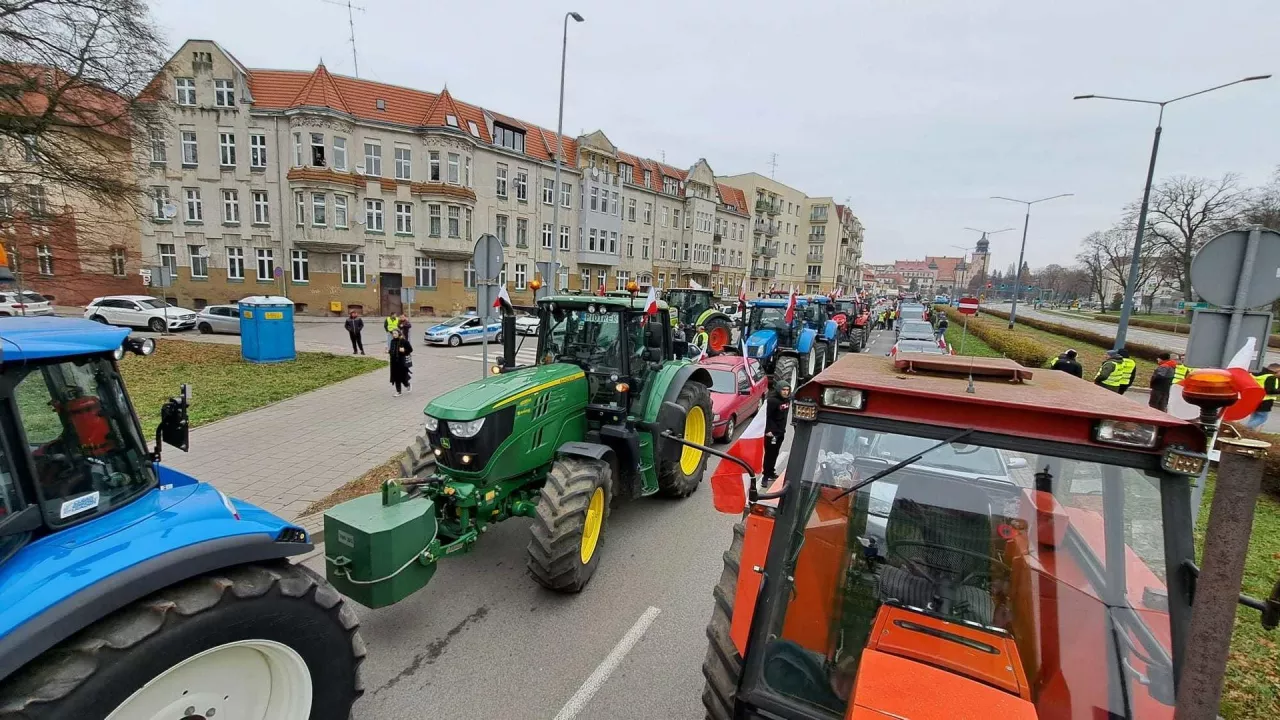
475, 131
508, 137
451, 120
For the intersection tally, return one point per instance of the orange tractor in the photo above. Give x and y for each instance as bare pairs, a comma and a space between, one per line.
962, 538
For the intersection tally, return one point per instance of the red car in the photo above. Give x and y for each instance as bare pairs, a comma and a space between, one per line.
738, 387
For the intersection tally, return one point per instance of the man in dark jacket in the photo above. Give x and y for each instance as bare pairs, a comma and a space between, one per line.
1068, 363
354, 326
775, 428
1162, 382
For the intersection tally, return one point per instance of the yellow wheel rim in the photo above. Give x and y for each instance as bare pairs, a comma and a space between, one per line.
591, 529
695, 430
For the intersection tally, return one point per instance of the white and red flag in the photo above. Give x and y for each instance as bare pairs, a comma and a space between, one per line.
651, 302
729, 483
503, 300
742, 294
791, 305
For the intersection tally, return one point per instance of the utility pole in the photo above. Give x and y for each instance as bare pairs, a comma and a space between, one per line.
351, 23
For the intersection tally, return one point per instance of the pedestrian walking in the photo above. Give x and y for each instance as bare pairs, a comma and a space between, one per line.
405, 326
401, 362
1269, 379
390, 325
1068, 363
1116, 373
775, 428
1162, 381
355, 326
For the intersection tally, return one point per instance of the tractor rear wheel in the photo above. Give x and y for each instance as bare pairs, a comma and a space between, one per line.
270, 640
786, 372
719, 334
569, 524
723, 665
680, 478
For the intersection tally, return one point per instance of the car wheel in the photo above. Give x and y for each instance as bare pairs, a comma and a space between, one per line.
455, 340
99, 319
730, 428
156, 324
205, 328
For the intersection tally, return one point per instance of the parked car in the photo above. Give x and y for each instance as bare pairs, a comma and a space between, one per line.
738, 387
916, 330
25, 303
139, 311
219, 319
929, 347
463, 329
526, 324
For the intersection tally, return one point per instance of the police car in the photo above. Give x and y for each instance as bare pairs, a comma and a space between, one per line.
463, 329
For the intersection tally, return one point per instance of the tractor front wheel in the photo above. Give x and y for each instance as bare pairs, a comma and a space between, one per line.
786, 372
271, 641
833, 353
680, 478
723, 665
564, 549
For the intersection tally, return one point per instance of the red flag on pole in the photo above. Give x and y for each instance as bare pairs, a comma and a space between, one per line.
791, 305
729, 482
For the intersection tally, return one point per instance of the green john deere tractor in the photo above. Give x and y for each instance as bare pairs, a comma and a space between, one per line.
696, 306
557, 442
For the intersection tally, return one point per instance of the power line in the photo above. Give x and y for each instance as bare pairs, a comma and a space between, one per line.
351, 22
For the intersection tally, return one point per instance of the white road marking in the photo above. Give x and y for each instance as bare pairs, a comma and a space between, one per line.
606, 667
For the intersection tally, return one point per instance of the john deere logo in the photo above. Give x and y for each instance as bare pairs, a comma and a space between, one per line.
444, 443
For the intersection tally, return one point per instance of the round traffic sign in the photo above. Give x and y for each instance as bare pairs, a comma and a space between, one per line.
1216, 269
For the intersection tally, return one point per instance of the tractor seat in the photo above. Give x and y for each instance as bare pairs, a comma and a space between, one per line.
967, 602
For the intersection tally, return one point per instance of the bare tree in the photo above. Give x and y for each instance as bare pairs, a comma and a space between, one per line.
1112, 251
1091, 261
1263, 205
1185, 213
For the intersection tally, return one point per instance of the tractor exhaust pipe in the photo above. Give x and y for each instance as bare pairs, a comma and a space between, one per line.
508, 341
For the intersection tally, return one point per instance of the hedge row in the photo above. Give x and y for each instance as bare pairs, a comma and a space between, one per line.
1179, 328
1019, 348
1138, 350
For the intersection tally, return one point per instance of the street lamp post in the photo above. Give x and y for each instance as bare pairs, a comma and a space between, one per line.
1017, 273
555, 191
1126, 309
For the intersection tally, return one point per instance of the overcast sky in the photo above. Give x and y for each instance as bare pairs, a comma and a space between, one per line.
915, 110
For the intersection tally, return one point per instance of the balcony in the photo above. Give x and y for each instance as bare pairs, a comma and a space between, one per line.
763, 206
769, 229
813, 257
817, 237
817, 218
775, 209
717, 239
764, 251
761, 273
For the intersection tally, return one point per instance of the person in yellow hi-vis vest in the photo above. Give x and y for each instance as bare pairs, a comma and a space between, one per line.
1269, 379
1180, 371
1116, 374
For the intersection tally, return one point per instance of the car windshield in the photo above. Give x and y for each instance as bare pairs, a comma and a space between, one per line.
455, 321
920, 346
911, 313
586, 338
916, 329
815, 313
723, 381
86, 449
1040, 579
154, 304
31, 297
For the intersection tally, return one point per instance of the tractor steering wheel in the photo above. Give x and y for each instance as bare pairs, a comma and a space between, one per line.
919, 568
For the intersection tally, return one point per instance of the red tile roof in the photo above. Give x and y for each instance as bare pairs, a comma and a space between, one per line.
946, 266
733, 197
320, 91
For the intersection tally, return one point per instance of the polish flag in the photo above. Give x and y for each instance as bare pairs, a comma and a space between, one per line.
1251, 393
651, 303
600, 291
742, 294
503, 300
728, 483
791, 305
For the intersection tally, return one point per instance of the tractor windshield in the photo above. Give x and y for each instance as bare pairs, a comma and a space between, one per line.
815, 314
1007, 576
767, 318
599, 340
87, 454
690, 303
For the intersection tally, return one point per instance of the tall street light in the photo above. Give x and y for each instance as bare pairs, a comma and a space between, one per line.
1017, 273
555, 193
1126, 310
987, 260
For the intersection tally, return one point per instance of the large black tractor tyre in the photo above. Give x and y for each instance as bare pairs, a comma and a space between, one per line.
723, 665
857, 339
681, 478
786, 371
98, 669
833, 353
719, 334
568, 527
418, 460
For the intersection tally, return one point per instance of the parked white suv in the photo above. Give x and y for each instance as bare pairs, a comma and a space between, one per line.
26, 302
139, 311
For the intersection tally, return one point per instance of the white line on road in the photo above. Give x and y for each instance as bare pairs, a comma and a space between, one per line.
606, 667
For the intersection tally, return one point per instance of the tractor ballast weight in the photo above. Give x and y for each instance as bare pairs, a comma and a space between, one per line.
694, 307
557, 441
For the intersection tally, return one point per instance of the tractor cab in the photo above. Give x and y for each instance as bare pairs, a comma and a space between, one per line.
1010, 545
692, 308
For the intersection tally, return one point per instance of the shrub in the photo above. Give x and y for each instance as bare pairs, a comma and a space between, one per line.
1019, 348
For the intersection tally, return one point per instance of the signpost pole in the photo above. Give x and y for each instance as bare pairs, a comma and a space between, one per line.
487, 259
1242, 292
964, 333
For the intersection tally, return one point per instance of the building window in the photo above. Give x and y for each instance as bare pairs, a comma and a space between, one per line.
502, 181
547, 233
469, 275
522, 232
231, 206
404, 217
664, 216
257, 151
261, 210
591, 239
644, 248
625, 172
586, 279
340, 211
662, 249
620, 279
631, 209
548, 191
297, 149
594, 198
300, 265
675, 218
158, 153
670, 185
190, 153
522, 275
195, 209
424, 272
299, 208
433, 220
522, 185
631, 246
467, 217
373, 215
648, 213
466, 168
317, 150
601, 275
186, 90
404, 163
564, 238
227, 149
199, 261
44, 258
159, 199
266, 263
433, 166
453, 168
224, 93
117, 262
373, 159
340, 153
454, 215
509, 138
613, 203
686, 252
318, 215
613, 242
235, 263
648, 178
566, 194
352, 268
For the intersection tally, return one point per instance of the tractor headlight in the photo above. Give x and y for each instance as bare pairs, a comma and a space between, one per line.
1132, 434
844, 398
466, 429
432, 424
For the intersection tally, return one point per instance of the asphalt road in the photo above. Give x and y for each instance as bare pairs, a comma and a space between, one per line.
484, 641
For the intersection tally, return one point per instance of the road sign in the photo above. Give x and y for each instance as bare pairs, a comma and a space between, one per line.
279, 272
1208, 345
969, 306
1184, 305
1220, 267
488, 259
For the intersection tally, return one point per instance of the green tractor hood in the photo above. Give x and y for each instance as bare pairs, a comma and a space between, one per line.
495, 392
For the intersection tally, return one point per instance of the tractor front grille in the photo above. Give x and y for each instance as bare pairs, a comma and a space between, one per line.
497, 427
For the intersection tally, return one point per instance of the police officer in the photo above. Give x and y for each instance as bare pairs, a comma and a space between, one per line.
1116, 374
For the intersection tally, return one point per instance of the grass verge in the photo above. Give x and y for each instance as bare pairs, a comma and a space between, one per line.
222, 383
972, 344
370, 482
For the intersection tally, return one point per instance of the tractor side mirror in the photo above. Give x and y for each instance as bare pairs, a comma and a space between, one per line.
174, 428
670, 417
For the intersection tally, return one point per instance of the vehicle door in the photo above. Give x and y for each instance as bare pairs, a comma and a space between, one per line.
112, 311
131, 313
470, 330
219, 318
759, 381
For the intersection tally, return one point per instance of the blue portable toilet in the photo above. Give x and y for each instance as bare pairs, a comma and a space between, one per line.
266, 329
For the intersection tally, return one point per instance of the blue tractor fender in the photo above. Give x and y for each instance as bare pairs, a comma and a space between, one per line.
829, 330
762, 344
805, 342
63, 582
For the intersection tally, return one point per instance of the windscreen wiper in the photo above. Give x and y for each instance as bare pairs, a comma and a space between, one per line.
895, 468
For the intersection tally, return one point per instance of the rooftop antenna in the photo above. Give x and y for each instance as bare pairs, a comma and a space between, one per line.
773, 165
351, 22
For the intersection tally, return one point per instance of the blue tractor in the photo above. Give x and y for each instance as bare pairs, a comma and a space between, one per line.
129, 590
792, 351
